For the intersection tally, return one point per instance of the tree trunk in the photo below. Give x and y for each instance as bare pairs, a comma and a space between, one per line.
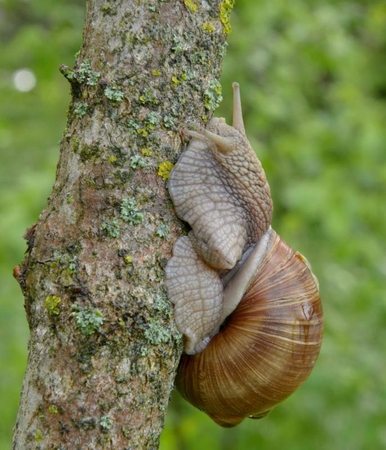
104, 348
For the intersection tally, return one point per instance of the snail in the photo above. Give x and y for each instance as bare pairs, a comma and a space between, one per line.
247, 304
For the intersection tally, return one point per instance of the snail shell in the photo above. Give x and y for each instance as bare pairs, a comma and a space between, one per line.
265, 349
247, 304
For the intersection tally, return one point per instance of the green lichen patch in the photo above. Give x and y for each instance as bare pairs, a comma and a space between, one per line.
144, 127
110, 228
130, 213
137, 161
152, 120
118, 156
105, 423
148, 96
87, 319
76, 144
186, 76
169, 122
89, 152
212, 95
113, 94
224, 49
163, 230
133, 125
68, 259
108, 10
51, 303
177, 45
80, 109
84, 73
163, 306
126, 432
156, 333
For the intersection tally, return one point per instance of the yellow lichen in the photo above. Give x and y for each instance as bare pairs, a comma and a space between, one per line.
208, 27
53, 409
112, 159
146, 152
52, 304
164, 170
191, 5
39, 436
142, 132
225, 15
128, 259
177, 80
156, 72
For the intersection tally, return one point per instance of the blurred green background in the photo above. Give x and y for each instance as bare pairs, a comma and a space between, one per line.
313, 80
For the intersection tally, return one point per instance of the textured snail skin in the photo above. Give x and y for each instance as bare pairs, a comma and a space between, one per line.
219, 187
224, 197
247, 304
196, 289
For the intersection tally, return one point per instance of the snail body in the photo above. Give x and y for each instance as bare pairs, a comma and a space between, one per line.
247, 304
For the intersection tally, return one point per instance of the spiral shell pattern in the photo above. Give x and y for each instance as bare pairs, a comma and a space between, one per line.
266, 348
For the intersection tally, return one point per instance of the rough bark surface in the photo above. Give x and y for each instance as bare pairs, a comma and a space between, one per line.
104, 348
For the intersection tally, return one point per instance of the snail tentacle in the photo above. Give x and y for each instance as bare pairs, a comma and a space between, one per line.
238, 121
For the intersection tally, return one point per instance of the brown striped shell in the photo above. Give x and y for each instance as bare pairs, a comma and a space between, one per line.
265, 349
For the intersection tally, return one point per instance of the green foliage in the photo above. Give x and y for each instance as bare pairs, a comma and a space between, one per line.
313, 85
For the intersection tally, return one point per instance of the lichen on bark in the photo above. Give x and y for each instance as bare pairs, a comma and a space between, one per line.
104, 348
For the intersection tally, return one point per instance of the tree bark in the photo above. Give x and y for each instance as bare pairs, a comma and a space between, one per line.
103, 347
